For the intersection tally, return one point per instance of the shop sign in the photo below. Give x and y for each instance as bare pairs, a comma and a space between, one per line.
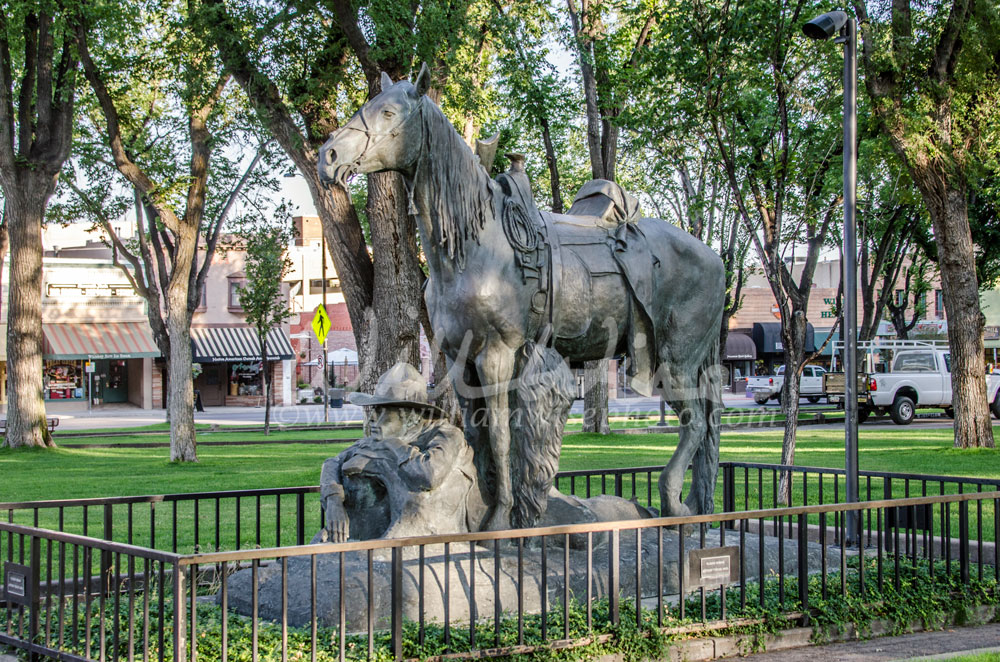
991, 333
238, 359
89, 367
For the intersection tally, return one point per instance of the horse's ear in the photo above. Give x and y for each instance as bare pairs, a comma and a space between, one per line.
386, 81
423, 81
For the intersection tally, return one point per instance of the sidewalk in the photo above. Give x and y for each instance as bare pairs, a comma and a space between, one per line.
950, 642
126, 417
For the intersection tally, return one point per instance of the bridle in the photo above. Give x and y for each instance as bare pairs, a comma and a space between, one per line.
373, 138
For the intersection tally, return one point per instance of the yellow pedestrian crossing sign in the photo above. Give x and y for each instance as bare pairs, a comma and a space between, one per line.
321, 324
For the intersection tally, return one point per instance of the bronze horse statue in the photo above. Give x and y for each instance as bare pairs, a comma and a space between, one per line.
502, 274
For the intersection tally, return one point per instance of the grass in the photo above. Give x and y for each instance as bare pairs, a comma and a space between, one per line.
69, 472
981, 657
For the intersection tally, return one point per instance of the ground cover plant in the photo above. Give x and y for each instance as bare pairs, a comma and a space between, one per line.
919, 599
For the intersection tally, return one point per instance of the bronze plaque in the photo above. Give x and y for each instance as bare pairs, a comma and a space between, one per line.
712, 567
19, 585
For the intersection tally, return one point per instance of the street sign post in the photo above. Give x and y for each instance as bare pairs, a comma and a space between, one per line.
321, 327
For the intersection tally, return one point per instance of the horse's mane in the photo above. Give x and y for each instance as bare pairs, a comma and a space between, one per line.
461, 195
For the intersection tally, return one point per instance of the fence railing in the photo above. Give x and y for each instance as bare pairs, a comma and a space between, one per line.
80, 598
275, 517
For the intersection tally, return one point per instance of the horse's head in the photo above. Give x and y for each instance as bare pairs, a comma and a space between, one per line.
385, 134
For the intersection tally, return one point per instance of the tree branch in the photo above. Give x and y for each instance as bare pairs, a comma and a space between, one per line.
942, 66
6, 99
215, 230
116, 244
43, 69
347, 19
65, 93
135, 175
25, 103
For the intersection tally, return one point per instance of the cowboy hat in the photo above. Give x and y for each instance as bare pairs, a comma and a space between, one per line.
402, 385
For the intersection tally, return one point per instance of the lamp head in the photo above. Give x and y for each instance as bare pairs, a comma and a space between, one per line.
825, 26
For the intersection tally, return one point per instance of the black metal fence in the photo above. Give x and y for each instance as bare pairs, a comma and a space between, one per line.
226, 586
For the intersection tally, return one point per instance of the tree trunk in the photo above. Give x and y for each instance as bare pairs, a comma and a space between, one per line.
794, 338
26, 425
180, 388
949, 215
265, 365
394, 331
553, 164
595, 397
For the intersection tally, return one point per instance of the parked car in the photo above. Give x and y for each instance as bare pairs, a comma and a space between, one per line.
920, 377
766, 387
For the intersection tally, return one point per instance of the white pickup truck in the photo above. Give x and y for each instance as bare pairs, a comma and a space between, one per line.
919, 377
766, 387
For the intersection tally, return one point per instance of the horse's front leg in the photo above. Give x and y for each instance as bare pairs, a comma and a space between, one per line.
496, 367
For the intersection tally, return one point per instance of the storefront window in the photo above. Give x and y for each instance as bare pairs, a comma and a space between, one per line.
246, 378
63, 380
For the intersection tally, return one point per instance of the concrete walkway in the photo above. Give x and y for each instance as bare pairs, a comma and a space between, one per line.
941, 644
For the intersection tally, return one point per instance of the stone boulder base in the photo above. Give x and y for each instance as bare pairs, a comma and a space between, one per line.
482, 574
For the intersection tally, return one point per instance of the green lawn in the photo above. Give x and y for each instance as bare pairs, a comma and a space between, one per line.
69, 472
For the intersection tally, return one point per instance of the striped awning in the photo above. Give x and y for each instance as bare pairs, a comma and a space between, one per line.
236, 344
99, 340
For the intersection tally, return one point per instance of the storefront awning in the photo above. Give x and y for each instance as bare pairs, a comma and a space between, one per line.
99, 340
767, 337
739, 347
237, 344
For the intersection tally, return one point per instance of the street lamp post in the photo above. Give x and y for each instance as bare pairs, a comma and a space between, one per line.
326, 366
845, 27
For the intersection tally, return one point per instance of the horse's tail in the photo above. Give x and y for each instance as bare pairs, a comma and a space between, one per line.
711, 377
541, 395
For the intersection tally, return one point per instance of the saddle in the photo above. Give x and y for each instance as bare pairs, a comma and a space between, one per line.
539, 239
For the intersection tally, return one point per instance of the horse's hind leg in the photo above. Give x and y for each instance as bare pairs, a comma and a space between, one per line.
496, 367
705, 467
682, 394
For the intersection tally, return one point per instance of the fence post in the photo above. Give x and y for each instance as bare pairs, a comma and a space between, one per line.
300, 519
729, 492
889, 514
618, 485
397, 603
35, 563
106, 579
963, 540
180, 642
803, 565
613, 579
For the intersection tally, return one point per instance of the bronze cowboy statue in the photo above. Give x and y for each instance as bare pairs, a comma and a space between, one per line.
595, 283
411, 475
